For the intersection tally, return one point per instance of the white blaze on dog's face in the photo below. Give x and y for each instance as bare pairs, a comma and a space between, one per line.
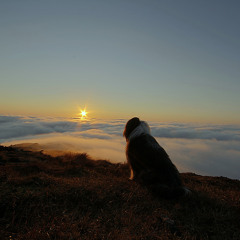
142, 128
145, 127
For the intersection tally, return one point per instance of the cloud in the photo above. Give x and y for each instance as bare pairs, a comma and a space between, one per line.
100, 139
19, 127
189, 131
12, 128
8, 119
57, 144
204, 157
204, 149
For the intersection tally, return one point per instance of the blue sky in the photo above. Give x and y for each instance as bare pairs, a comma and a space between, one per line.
160, 60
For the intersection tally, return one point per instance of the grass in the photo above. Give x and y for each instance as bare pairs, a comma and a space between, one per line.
75, 197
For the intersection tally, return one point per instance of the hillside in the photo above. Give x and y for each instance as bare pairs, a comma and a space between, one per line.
74, 197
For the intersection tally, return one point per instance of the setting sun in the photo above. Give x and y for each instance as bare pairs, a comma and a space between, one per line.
83, 114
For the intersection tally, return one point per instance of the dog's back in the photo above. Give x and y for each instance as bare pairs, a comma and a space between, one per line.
146, 155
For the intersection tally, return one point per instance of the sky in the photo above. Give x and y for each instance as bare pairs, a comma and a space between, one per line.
172, 61
174, 64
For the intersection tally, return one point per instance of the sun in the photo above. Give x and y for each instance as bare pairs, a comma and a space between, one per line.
83, 114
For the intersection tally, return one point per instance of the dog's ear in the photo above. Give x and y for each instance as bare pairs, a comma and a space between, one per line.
130, 126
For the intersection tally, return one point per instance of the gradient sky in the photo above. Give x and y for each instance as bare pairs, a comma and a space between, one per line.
160, 60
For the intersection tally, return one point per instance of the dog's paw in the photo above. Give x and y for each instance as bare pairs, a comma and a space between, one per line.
131, 178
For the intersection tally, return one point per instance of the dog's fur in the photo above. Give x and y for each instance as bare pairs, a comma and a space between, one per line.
148, 161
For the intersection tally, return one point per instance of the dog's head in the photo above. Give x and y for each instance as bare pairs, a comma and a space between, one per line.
135, 124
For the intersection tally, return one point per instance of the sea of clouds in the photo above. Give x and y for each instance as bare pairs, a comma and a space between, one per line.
203, 149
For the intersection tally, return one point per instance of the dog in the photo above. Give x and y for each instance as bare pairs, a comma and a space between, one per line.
149, 163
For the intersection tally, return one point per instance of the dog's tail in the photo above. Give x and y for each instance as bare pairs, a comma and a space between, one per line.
164, 191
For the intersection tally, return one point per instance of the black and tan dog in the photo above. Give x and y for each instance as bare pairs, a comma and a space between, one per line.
148, 161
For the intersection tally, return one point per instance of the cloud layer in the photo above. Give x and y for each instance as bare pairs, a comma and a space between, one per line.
203, 149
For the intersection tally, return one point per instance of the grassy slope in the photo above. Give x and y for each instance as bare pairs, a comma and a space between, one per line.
74, 197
